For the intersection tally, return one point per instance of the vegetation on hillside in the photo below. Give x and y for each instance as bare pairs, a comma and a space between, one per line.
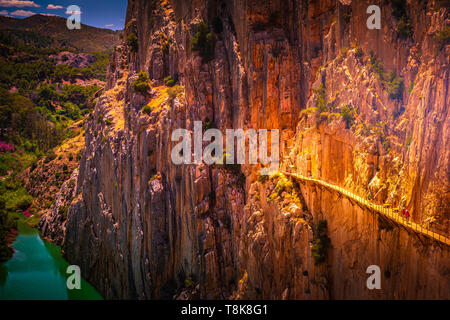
41, 98
7, 224
52, 32
141, 84
203, 42
404, 28
393, 84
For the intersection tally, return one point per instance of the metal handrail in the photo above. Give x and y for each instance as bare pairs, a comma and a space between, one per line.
378, 208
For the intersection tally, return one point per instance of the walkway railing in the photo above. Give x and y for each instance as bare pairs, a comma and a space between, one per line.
388, 212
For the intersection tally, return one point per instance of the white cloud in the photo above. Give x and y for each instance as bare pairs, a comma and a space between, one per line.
18, 3
109, 25
4, 13
49, 14
22, 13
54, 7
73, 12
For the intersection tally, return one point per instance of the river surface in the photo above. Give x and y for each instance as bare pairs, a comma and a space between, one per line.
37, 271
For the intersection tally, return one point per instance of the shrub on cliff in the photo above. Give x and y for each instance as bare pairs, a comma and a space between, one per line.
358, 51
321, 242
395, 86
133, 42
404, 29
262, 178
321, 101
19, 200
203, 42
391, 82
141, 83
169, 81
348, 114
62, 210
376, 64
174, 92
208, 124
443, 38
189, 283
147, 110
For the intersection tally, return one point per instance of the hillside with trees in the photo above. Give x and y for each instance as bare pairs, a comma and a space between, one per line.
49, 81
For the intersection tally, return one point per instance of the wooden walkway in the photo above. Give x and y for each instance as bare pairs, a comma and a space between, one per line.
388, 212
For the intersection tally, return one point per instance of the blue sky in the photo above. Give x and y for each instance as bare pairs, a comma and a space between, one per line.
98, 13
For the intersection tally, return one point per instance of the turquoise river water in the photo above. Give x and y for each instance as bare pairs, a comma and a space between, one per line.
37, 271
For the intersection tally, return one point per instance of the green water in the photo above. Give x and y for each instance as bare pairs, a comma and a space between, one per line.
37, 271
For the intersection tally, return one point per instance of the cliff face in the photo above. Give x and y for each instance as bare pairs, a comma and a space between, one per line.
140, 226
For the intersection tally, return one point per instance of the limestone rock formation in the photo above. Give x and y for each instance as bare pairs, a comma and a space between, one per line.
363, 109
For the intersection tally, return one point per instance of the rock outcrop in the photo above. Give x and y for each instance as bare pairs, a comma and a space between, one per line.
141, 227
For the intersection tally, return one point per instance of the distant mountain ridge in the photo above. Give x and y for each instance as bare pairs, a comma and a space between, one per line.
86, 39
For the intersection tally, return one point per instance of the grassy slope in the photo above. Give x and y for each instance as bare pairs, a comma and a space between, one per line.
86, 39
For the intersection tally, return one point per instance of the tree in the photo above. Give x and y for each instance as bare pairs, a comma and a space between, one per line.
133, 42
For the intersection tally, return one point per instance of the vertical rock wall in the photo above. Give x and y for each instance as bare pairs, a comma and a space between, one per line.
142, 227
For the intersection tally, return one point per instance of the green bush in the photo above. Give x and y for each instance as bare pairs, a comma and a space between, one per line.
189, 284
147, 110
169, 81
208, 124
348, 114
443, 37
133, 42
404, 29
283, 185
391, 82
22, 201
62, 210
321, 242
377, 66
395, 86
321, 101
165, 47
358, 51
263, 178
174, 92
203, 42
141, 83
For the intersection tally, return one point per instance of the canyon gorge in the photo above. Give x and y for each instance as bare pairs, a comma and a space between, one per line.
363, 109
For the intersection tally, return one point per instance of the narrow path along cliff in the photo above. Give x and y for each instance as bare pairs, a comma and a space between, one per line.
389, 212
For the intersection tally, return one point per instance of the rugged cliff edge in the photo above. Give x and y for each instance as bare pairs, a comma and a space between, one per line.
363, 109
